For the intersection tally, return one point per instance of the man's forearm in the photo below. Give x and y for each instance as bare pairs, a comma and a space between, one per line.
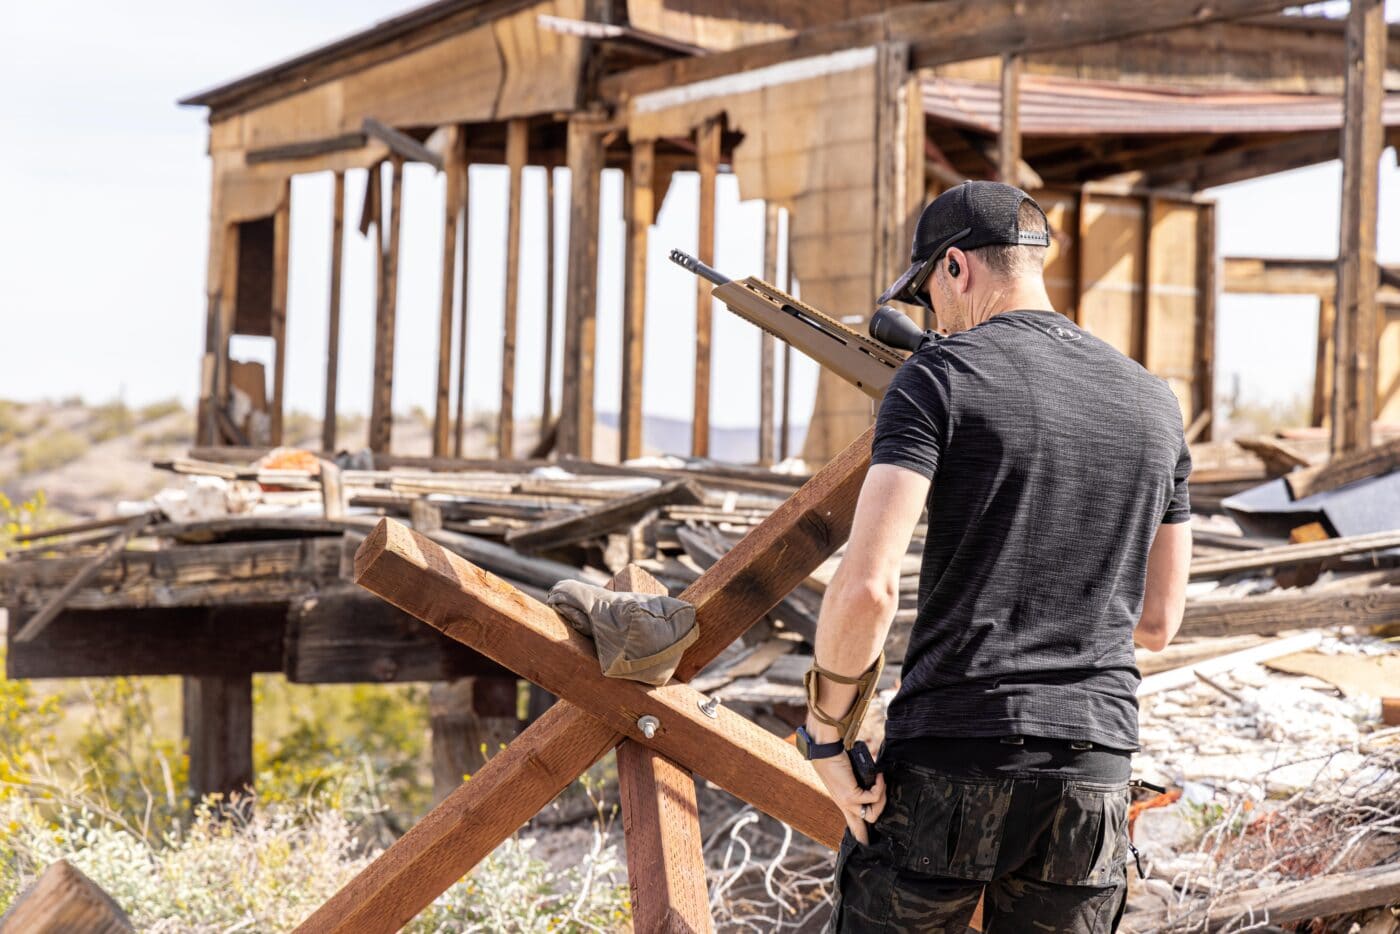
851, 631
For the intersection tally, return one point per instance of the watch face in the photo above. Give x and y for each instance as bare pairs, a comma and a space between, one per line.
804, 742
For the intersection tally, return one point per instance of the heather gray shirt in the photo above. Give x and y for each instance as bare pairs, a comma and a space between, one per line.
1054, 459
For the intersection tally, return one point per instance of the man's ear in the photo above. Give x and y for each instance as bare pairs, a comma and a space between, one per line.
957, 259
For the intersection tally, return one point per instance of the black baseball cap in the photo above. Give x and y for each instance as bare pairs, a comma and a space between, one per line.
967, 216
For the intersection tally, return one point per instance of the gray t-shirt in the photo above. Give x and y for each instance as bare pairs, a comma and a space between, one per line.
1054, 459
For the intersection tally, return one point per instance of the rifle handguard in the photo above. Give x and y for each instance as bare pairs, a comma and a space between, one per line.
867, 682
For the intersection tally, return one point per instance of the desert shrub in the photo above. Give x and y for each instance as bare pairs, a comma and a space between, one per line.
149, 413
21, 518
110, 420
181, 432
52, 450
299, 427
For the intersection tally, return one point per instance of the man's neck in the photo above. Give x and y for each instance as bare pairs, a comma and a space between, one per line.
1015, 296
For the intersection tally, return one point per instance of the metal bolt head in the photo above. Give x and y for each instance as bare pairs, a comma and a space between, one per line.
648, 725
709, 707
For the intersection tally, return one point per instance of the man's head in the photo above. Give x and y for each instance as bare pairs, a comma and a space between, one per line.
974, 245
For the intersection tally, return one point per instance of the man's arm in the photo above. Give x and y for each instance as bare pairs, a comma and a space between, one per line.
1164, 598
861, 600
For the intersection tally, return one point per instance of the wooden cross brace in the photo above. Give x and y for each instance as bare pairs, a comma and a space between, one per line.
596, 713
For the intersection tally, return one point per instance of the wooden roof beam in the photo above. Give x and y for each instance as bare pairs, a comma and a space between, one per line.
942, 33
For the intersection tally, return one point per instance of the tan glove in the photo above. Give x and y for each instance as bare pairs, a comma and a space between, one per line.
637, 636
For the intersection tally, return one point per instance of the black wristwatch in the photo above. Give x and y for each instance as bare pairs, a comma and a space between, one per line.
811, 749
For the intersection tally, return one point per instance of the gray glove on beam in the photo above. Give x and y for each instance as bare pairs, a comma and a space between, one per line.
637, 636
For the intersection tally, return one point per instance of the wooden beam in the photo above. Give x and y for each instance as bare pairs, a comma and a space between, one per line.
1287, 555
1323, 374
766, 342
281, 247
517, 151
1275, 612
401, 144
1245, 162
463, 300
452, 210
707, 143
547, 411
61, 900
661, 819
305, 150
939, 34
641, 212
1354, 385
746, 583
381, 417
218, 725
1009, 138
785, 426
333, 314
480, 610
585, 149
1344, 469
603, 518
55, 604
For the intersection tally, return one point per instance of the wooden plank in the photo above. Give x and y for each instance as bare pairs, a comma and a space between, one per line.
1220, 664
1274, 612
381, 417
305, 149
153, 641
585, 154
61, 900
766, 342
1321, 897
452, 210
460, 424
1354, 388
604, 518
641, 212
707, 154
333, 314
218, 725
55, 604
401, 144
1344, 469
481, 610
547, 412
332, 491
517, 143
281, 248
565, 740
785, 426
1322, 366
661, 819
1009, 137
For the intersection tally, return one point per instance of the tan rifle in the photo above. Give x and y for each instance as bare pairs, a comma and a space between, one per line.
866, 363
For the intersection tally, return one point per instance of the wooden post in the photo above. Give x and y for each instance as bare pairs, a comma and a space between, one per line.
452, 207
465, 715
707, 146
462, 311
585, 157
1207, 289
641, 211
64, 900
1009, 139
1322, 370
1142, 337
1081, 234
517, 144
661, 820
766, 343
547, 411
333, 329
381, 418
785, 431
218, 723
281, 245
1354, 385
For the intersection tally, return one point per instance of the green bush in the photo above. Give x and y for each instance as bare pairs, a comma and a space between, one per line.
110, 420
149, 413
50, 451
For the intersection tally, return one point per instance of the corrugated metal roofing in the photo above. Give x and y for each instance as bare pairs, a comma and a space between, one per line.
1052, 106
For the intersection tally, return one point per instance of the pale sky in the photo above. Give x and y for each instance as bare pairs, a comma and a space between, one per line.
104, 185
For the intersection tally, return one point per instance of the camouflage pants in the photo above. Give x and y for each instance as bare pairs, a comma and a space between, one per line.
1050, 853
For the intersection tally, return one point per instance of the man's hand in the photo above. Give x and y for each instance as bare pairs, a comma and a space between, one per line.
840, 781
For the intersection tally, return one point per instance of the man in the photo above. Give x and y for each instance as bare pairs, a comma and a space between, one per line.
1054, 472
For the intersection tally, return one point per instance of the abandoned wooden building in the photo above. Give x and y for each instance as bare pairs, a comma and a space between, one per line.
846, 116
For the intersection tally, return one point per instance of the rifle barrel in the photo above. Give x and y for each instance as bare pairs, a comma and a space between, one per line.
681, 258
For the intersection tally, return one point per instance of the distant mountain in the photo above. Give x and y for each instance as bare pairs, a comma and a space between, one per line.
672, 436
